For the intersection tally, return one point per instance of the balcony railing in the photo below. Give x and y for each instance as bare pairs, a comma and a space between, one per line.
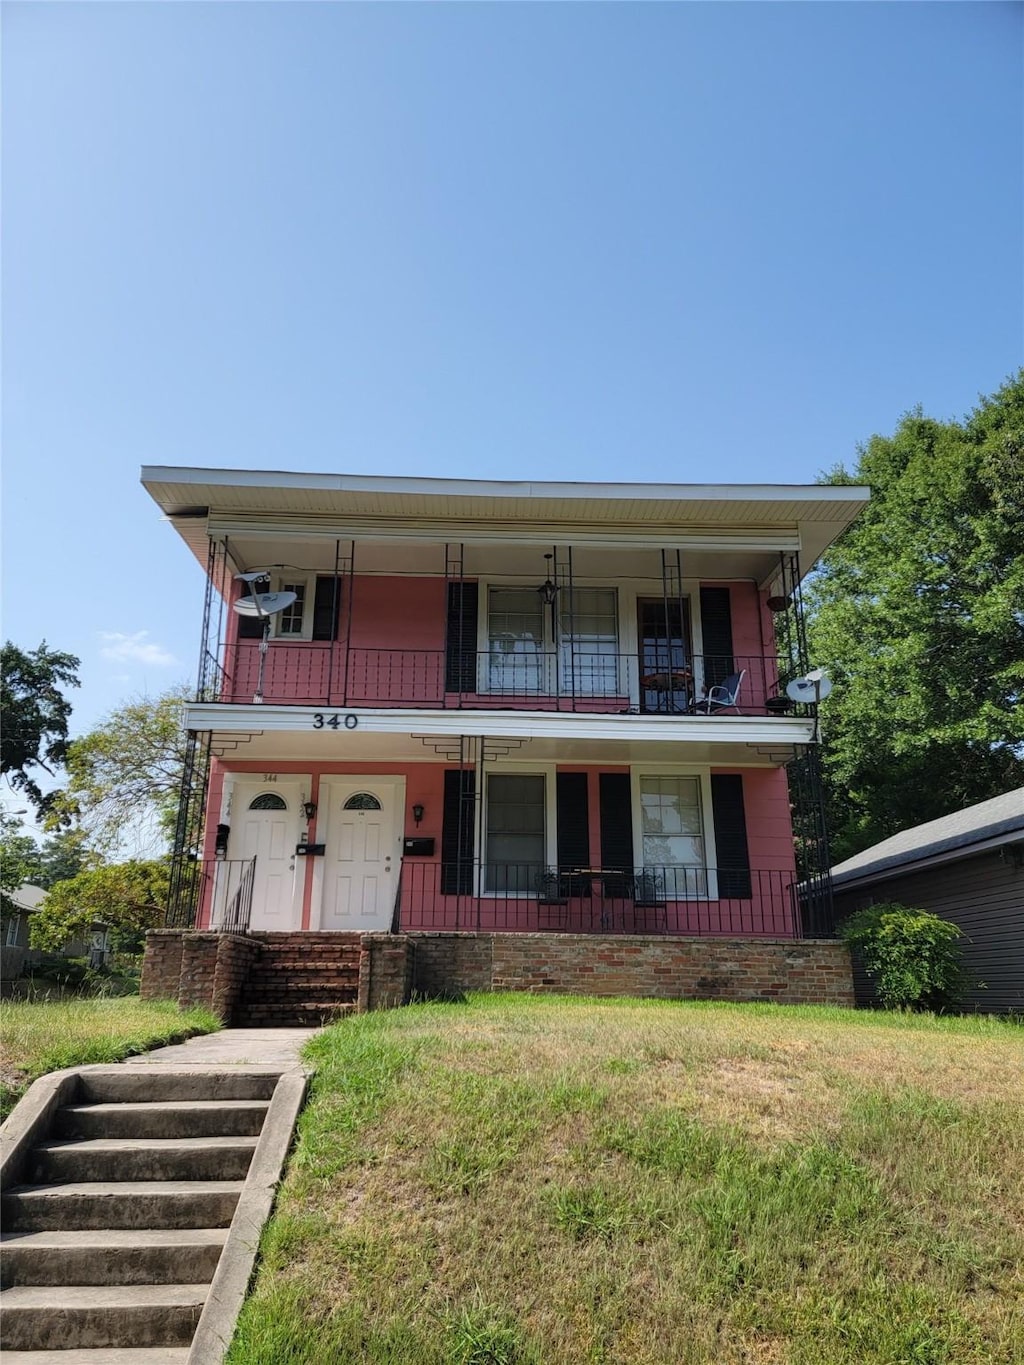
213, 891
529, 898
502, 678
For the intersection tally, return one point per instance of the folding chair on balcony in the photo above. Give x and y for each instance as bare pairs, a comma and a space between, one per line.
722, 696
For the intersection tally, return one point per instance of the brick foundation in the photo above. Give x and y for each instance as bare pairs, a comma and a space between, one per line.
787, 971
281, 979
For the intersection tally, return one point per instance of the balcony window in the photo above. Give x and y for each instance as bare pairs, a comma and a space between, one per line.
290, 620
589, 643
672, 833
516, 640
515, 833
522, 653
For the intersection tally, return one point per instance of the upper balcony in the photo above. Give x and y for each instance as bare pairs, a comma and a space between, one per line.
446, 595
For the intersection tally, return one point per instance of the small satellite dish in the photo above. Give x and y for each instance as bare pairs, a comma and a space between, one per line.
264, 603
814, 687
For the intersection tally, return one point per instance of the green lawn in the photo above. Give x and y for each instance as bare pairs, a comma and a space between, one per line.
523, 1179
45, 1036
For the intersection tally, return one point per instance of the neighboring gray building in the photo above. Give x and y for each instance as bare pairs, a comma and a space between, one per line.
967, 867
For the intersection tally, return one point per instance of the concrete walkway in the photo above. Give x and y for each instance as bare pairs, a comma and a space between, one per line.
278, 1047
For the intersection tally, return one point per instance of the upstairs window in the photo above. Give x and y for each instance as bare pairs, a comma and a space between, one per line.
523, 655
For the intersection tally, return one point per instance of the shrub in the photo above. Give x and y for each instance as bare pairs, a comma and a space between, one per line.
913, 957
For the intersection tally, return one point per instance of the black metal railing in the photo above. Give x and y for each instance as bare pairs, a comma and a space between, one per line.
530, 897
507, 676
215, 893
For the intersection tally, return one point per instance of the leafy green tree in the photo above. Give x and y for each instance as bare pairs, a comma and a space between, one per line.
17, 861
35, 715
913, 957
124, 777
918, 614
60, 856
128, 898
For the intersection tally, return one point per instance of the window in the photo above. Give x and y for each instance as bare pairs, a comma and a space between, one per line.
515, 846
515, 631
672, 833
13, 925
268, 801
521, 647
289, 622
589, 644
362, 801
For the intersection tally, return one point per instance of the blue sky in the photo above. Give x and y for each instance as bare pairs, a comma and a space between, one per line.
692, 242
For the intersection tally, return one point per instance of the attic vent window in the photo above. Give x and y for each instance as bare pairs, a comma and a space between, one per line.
268, 801
362, 801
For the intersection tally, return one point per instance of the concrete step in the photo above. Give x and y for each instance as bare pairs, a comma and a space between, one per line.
162, 1119
139, 1083
292, 1016
103, 1355
207, 1158
120, 1204
124, 1256
72, 1316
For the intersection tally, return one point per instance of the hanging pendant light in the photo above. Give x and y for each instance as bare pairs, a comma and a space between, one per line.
548, 590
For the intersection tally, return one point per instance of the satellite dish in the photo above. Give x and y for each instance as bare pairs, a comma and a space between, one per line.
815, 686
253, 577
264, 603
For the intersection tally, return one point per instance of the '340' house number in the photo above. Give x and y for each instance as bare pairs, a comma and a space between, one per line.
334, 722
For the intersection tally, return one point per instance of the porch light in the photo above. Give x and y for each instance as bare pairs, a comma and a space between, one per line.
417, 812
778, 603
309, 809
548, 590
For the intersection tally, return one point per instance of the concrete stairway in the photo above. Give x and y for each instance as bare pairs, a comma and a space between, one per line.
300, 980
111, 1241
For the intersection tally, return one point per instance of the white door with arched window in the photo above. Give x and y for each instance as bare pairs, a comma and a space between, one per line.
356, 881
266, 820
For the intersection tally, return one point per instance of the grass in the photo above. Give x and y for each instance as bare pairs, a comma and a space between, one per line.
522, 1181
41, 1036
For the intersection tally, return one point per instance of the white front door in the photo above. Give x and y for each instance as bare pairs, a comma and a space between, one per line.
358, 873
265, 823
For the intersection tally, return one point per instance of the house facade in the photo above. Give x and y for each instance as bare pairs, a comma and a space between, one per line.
448, 705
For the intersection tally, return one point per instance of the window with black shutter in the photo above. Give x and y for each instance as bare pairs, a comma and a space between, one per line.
716, 631
732, 855
458, 819
460, 640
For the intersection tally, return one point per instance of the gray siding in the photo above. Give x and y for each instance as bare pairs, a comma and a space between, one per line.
984, 896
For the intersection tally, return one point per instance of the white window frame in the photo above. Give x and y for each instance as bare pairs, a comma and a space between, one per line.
277, 584
546, 770
551, 660
702, 772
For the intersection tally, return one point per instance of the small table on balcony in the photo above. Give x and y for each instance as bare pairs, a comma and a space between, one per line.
668, 680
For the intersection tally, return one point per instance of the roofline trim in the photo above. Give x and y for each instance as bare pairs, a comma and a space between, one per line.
500, 488
879, 871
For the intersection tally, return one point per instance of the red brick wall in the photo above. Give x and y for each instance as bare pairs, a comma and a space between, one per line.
161, 965
782, 970
385, 971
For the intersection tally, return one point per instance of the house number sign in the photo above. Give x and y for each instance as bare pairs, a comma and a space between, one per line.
334, 722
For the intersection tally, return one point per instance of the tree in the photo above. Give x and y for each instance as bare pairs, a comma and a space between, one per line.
17, 861
35, 712
128, 898
124, 776
918, 614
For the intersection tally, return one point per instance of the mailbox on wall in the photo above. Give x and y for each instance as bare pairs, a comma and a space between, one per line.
418, 848
310, 850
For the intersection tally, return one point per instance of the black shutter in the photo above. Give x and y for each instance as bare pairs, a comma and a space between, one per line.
250, 627
325, 608
460, 649
458, 819
616, 821
716, 630
573, 815
730, 836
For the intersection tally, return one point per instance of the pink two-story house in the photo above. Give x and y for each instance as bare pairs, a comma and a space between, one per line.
502, 706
